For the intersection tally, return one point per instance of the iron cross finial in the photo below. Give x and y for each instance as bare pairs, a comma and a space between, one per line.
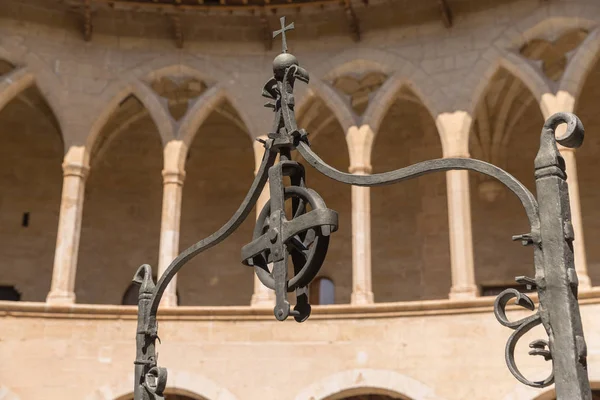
282, 31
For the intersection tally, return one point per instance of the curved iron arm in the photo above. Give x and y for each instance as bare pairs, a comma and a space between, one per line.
236, 220
150, 379
426, 167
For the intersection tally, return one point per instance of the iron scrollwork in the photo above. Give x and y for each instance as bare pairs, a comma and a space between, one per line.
305, 239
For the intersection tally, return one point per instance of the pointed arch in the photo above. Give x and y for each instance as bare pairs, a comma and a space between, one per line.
405, 133
13, 84
126, 157
539, 25
504, 132
219, 160
30, 157
520, 68
580, 65
386, 96
339, 106
201, 110
183, 381
386, 380
151, 103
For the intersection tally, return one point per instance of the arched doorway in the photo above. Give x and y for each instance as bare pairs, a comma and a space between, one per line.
367, 393
120, 229
410, 239
371, 397
172, 394
505, 133
218, 169
31, 177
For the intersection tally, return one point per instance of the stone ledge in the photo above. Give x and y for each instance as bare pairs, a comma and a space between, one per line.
245, 313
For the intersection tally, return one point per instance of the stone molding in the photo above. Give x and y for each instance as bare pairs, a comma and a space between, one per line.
235, 313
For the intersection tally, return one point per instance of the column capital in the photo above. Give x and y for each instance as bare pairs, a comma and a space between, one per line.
454, 129
360, 144
550, 104
75, 169
173, 176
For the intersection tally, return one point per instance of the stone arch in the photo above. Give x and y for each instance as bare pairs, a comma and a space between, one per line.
7, 394
339, 106
504, 132
581, 64
31, 156
388, 381
217, 146
406, 133
539, 26
14, 83
126, 157
201, 110
519, 67
151, 103
386, 96
330, 139
185, 382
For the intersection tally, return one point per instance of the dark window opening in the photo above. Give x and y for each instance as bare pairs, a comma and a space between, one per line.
25, 220
9, 293
322, 291
494, 290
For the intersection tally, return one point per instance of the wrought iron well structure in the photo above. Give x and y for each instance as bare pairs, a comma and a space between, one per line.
305, 238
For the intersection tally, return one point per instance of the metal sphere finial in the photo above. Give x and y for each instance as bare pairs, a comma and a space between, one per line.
285, 59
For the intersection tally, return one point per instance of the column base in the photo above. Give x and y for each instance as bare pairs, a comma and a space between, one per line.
59, 297
463, 293
360, 298
263, 300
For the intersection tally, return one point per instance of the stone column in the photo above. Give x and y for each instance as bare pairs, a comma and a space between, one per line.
360, 144
565, 102
75, 172
262, 296
173, 177
454, 130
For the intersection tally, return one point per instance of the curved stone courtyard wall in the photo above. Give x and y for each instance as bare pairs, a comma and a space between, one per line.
136, 123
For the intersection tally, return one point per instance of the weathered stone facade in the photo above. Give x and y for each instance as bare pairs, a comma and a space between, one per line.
156, 148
